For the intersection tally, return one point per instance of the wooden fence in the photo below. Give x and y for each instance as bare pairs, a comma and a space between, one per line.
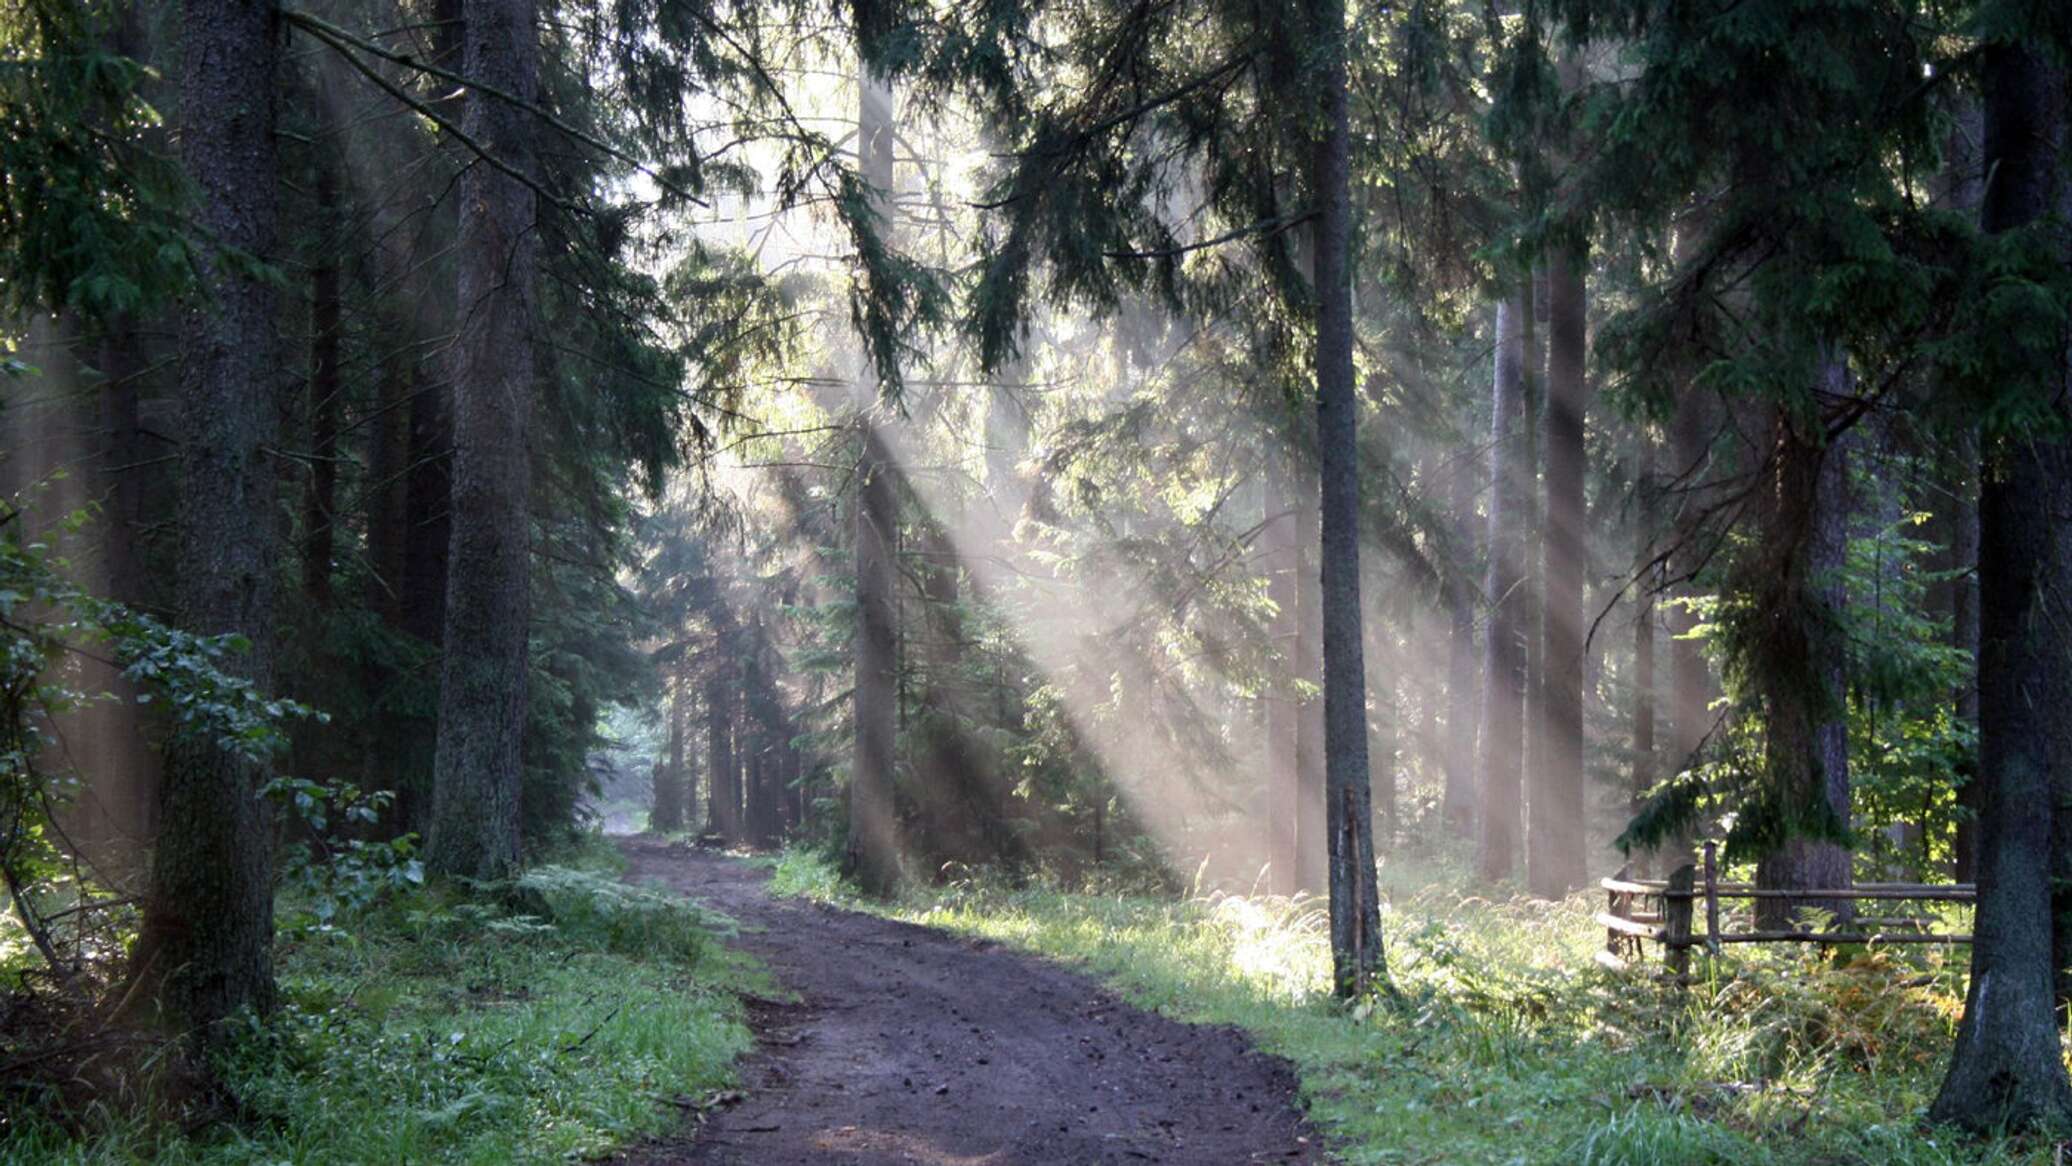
1664, 911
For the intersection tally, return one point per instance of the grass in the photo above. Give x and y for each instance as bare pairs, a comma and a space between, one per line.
1508, 1044
443, 1030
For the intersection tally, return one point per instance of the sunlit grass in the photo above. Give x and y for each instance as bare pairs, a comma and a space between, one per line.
1508, 1044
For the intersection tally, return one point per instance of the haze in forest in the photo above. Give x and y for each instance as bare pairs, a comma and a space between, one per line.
1472, 539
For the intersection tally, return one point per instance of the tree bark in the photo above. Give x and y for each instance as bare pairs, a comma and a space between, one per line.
720, 814
482, 692
326, 405
1503, 693
1556, 849
2007, 1069
1356, 954
204, 949
1804, 702
1463, 703
428, 484
1311, 744
388, 518
1690, 677
1645, 588
1964, 635
1283, 794
872, 855
1961, 188
669, 808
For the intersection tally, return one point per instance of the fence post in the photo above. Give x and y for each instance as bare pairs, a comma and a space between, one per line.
1619, 905
1676, 918
1712, 899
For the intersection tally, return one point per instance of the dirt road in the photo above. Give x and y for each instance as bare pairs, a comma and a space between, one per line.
910, 1045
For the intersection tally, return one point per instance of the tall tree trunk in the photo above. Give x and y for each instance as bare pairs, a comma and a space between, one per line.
482, 689
1503, 693
719, 738
1556, 849
1804, 703
1356, 955
204, 949
1311, 747
1690, 678
872, 855
1964, 636
669, 809
127, 788
1962, 187
1463, 704
428, 485
1283, 795
1645, 587
2007, 1069
387, 516
326, 404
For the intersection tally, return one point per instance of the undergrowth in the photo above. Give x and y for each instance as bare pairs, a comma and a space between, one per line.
441, 1029
1508, 1044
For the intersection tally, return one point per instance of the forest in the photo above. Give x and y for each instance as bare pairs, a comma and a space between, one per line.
1036, 581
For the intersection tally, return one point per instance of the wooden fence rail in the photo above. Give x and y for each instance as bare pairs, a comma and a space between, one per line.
1642, 911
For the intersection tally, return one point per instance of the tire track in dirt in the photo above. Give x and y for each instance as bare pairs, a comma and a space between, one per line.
912, 1045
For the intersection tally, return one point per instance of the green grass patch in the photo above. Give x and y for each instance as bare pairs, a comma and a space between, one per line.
1508, 1044
441, 1030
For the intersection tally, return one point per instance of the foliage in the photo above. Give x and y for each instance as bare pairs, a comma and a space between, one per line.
1906, 744
50, 630
437, 1030
91, 213
327, 871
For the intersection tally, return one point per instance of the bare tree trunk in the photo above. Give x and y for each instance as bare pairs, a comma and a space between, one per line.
1804, 703
872, 857
1503, 694
1962, 187
1964, 635
1690, 677
720, 814
1356, 953
482, 690
127, 788
1644, 590
2007, 1069
1556, 850
428, 483
1463, 703
1283, 796
204, 949
1312, 868
387, 517
669, 808
326, 404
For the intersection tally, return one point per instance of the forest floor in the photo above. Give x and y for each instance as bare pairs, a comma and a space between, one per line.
1505, 1043
907, 1044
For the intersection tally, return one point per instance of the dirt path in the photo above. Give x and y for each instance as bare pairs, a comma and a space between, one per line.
911, 1045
